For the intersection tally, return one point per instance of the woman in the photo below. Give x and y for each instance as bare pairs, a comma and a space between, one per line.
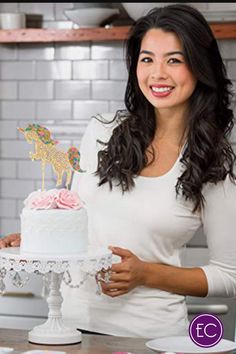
156, 173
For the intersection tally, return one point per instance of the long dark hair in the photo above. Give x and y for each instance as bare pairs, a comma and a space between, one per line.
208, 155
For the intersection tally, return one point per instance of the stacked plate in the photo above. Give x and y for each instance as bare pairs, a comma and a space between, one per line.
187, 346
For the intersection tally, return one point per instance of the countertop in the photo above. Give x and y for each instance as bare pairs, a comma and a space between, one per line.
91, 344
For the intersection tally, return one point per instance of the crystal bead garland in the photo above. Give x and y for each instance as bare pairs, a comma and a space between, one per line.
92, 273
18, 267
68, 280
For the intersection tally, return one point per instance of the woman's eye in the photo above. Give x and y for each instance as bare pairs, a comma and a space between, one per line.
146, 60
174, 61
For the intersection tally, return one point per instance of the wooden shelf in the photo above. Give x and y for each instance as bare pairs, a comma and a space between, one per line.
34, 35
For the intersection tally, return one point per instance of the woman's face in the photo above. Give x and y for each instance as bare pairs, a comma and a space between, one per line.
162, 72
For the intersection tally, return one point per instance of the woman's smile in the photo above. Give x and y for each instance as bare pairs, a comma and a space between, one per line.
161, 90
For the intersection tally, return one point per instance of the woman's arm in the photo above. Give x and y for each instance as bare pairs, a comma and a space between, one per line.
218, 278
132, 272
178, 280
219, 224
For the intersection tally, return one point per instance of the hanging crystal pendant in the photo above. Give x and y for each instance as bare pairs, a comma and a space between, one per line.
67, 277
17, 281
99, 288
107, 276
3, 273
2, 286
45, 288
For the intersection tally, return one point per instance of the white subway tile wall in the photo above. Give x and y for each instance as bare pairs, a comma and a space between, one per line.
53, 109
8, 90
72, 89
17, 70
60, 85
35, 52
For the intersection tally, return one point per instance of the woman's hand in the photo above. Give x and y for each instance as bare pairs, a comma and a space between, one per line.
12, 240
126, 275
132, 272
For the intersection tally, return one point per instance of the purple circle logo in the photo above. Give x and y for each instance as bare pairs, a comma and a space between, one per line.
206, 330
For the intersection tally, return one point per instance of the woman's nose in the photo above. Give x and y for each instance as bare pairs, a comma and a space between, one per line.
159, 71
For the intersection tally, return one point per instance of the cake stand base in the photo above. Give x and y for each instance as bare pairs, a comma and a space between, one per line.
44, 335
53, 331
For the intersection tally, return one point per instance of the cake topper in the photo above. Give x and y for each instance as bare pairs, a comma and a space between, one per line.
47, 152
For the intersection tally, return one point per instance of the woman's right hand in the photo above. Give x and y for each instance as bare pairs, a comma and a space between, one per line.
12, 240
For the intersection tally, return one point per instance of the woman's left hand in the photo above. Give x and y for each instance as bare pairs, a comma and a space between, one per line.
124, 276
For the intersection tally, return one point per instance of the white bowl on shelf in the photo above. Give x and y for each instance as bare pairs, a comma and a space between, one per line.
90, 17
136, 10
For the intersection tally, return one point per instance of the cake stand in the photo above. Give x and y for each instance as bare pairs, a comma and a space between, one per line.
53, 331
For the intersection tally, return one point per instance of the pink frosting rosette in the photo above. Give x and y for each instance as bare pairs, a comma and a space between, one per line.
67, 199
53, 199
41, 200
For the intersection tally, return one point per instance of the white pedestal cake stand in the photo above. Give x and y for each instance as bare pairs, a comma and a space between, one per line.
53, 331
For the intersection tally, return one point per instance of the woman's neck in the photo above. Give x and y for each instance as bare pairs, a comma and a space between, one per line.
171, 127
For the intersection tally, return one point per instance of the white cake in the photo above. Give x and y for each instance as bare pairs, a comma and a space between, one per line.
53, 222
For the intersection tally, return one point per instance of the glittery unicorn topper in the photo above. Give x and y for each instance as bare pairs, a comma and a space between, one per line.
47, 152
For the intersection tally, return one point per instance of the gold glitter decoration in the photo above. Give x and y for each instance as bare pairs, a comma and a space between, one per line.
47, 152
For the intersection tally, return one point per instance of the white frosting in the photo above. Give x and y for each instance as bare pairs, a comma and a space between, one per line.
54, 231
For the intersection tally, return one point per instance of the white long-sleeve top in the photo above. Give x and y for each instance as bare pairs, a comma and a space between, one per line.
155, 225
